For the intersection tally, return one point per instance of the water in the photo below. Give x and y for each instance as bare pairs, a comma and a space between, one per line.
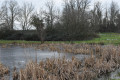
114, 75
16, 56
111, 76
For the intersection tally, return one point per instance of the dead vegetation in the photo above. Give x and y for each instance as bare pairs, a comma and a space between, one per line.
3, 71
56, 69
102, 60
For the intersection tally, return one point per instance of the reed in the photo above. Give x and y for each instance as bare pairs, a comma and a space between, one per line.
3, 71
51, 69
62, 69
102, 60
4, 45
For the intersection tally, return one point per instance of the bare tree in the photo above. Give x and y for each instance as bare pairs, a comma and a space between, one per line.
50, 14
106, 20
96, 19
113, 11
75, 17
27, 11
14, 11
5, 20
10, 10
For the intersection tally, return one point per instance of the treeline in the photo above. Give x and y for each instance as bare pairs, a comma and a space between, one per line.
76, 21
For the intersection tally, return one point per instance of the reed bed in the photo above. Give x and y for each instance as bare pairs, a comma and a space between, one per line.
66, 48
4, 71
101, 61
86, 49
55, 69
62, 69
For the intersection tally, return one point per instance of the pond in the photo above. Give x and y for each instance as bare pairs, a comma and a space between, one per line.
17, 56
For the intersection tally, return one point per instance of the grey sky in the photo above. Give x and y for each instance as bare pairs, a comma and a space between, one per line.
40, 3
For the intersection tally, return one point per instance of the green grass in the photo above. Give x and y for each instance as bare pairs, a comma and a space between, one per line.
17, 41
106, 38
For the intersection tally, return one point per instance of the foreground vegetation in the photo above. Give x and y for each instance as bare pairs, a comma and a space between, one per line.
104, 38
4, 71
101, 60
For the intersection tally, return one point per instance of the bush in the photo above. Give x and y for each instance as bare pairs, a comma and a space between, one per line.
31, 37
15, 36
6, 33
52, 34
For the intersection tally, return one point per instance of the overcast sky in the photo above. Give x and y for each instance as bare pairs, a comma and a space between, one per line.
59, 3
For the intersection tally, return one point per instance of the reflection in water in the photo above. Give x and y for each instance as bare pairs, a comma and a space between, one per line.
106, 77
16, 56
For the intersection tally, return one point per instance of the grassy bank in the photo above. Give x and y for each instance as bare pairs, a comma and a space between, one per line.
105, 38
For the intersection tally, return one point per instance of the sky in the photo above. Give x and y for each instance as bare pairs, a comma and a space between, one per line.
59, 3
38, 3
105, 3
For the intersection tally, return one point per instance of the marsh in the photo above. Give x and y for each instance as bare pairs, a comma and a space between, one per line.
17, 56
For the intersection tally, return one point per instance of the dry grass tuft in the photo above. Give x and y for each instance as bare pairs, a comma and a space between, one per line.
102, 60
3, 71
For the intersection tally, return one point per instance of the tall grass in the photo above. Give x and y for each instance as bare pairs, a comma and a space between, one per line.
102, 60
3, 71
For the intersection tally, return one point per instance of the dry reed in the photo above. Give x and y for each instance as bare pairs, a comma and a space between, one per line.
102, 60
3, 71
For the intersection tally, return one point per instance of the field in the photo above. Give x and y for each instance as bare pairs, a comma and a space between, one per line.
105, 38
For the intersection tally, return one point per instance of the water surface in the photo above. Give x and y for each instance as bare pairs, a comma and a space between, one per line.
16, 56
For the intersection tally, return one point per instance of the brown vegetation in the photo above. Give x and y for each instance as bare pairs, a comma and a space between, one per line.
62, 69
3, 71
102, 60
